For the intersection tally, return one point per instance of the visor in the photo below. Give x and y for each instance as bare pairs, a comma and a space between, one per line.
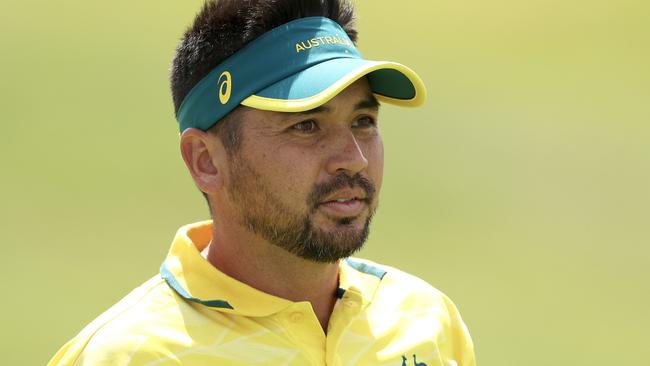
295, 67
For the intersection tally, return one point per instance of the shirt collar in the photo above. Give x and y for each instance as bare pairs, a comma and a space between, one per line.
196, 280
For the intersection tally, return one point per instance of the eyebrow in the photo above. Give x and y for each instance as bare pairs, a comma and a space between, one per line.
370, 102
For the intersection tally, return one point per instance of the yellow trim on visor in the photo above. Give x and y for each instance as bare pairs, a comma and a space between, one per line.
304, 104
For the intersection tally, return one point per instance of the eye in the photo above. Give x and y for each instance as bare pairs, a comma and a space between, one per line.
364, 122
305, 126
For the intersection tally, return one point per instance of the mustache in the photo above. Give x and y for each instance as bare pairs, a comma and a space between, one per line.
341, 180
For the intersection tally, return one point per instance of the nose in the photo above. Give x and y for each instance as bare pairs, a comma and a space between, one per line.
346, 155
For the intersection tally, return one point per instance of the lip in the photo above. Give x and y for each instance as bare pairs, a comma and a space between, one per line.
347, 194
349, 208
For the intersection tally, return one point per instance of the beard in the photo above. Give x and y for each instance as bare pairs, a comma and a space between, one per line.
266, 215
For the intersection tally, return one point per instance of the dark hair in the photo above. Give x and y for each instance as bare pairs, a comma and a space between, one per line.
222, 27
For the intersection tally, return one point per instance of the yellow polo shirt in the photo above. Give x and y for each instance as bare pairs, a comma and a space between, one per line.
192, 314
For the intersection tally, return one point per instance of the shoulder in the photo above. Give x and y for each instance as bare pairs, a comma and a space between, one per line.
394, 279
414, 306
403, 290
114, 336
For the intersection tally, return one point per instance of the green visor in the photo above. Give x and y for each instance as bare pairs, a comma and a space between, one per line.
293, 68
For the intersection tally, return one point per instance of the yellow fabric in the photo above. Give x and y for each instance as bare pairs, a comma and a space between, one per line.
394, 319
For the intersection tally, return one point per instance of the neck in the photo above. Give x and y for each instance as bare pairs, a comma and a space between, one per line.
270, 269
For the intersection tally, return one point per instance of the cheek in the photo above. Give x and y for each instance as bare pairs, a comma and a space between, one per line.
376, 162
290, 172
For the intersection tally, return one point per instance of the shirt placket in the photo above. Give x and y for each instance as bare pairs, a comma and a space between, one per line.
346, 309
305, 330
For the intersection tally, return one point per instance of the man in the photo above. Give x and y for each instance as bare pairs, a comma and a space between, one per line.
278, 118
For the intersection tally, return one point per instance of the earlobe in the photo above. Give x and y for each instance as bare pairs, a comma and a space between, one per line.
198, 150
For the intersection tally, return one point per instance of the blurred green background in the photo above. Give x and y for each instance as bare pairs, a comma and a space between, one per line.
522, 189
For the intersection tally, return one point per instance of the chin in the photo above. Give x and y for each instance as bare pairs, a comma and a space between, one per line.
352, 223
347, 226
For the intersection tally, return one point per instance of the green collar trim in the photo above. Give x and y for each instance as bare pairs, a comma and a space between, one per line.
366, 268
166, 274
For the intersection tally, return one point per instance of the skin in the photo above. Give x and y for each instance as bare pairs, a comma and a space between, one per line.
282, 158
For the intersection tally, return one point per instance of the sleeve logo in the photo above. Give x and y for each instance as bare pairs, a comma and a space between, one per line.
225, 87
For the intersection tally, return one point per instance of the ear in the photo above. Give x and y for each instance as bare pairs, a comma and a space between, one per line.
202, 153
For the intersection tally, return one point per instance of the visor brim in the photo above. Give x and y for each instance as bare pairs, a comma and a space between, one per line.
390, 82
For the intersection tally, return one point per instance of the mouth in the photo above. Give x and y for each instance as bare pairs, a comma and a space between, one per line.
345, 204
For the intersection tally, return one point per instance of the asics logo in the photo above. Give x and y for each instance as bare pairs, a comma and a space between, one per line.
225, 87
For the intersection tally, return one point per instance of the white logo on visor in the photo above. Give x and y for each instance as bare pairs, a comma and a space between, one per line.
225, 87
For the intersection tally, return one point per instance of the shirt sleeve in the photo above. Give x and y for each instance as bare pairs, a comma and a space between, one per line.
120, 350
66, 355
462, 345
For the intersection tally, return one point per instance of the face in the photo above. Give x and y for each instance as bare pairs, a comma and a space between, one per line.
308, 182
